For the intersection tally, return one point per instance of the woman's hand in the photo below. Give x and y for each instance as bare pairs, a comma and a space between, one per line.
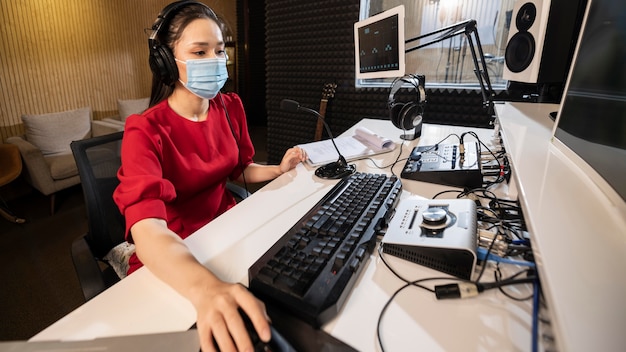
292, 157
217, 303
219, 321
259, 173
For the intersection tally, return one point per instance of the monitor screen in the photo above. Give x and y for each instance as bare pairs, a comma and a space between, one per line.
379, 45
591, 122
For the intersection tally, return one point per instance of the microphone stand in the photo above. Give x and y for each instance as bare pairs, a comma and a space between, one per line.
468, 28
334, 170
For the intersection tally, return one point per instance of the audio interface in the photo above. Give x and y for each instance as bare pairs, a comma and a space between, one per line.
447, 164
436, 233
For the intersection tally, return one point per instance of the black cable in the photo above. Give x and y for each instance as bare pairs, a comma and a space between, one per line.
505, 282
382, 312
500, 177
444, 192
436, 145
232, 130
407, 283
497, 274
391, 166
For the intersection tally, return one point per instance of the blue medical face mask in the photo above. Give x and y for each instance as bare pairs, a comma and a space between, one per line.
205, 77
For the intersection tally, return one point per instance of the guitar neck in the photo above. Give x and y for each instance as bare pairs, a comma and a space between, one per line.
323, 104
320, 125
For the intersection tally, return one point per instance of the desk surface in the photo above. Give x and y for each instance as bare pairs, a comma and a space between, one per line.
231, 243
578, 235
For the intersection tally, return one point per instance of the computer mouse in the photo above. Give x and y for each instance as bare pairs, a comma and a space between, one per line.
278, 343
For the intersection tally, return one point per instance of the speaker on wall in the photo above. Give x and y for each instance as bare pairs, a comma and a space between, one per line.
542, 39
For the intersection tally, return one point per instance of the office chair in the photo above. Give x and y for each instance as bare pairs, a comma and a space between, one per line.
238, 192
98, 160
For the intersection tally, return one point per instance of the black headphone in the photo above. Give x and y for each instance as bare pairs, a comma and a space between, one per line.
407, 115
162, 62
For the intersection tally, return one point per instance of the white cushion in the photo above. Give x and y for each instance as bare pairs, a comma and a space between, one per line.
131, 106
118, 258
53, 133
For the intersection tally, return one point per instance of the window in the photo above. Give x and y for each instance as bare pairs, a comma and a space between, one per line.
449, 63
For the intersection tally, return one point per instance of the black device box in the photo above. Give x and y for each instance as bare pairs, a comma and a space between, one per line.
444, 164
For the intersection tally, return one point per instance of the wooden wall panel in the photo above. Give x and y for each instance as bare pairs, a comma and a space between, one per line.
58, 55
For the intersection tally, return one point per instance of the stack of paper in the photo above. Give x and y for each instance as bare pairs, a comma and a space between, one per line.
363, 143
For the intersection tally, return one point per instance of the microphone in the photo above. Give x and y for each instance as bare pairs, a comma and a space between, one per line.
334, 170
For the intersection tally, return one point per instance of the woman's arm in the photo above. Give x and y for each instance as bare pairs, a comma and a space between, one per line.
258, 173
216, 302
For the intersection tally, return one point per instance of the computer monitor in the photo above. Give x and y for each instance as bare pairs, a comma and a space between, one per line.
590, 126
379, 45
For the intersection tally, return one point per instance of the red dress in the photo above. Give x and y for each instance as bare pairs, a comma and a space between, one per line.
176, 169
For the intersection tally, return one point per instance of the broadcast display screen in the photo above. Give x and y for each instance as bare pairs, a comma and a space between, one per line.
379, 45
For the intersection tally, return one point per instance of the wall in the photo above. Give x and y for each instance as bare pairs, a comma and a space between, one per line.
58, 55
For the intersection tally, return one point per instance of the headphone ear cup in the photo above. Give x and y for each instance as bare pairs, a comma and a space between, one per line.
409, 117
394, 114
163, 64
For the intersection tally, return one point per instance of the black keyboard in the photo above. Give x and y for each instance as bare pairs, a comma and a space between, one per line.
311, 269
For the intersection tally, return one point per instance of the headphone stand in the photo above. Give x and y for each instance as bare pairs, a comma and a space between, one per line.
412, 136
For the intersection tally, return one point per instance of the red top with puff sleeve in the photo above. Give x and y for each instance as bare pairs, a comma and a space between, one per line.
176, 169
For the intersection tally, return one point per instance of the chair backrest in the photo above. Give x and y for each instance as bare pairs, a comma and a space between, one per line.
98, 160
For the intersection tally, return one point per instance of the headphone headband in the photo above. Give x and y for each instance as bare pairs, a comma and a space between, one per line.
417, 81
165, 16
162, 62
407, 115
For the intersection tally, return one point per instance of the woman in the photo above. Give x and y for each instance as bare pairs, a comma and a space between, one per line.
176, 159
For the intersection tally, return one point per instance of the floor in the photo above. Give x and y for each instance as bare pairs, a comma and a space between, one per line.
39, 285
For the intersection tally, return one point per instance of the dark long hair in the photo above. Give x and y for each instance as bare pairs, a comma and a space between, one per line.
169, 33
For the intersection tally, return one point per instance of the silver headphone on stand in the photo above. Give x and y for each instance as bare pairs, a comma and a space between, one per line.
407, 116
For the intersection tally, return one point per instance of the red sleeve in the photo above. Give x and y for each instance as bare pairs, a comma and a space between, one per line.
237, 117
143, 191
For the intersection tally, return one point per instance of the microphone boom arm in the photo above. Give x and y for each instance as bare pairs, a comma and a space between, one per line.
468, 28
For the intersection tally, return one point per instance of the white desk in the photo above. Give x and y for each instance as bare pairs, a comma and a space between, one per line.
416, 320
579, 238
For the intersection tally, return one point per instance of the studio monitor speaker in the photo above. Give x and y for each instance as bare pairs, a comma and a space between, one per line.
542, 39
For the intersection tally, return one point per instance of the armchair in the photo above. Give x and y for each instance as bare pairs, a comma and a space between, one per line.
45, 148
127, 107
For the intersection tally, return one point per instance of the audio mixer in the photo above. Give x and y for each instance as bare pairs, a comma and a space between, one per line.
455, 165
